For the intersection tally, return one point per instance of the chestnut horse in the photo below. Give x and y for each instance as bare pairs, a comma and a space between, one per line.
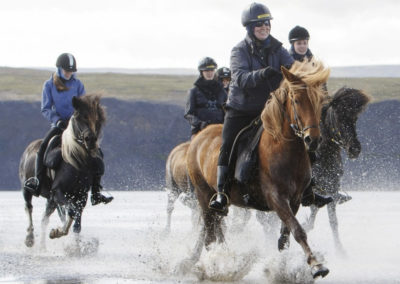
68, 184
290, 120
178, 183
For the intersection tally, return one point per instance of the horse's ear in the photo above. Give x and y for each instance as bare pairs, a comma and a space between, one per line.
76, 102
289, 76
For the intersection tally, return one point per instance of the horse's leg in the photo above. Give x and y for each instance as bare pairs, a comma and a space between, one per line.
309, 224
335, 226
62, 231
283, 241
286, 214
61, 213
173, 195
50, 207
30, 237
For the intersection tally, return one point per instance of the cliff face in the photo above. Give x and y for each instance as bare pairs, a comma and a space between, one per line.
139, 136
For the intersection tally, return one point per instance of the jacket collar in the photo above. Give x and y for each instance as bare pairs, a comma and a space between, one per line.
274, 43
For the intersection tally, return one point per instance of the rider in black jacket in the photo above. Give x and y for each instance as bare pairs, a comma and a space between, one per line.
255, 66
205, 102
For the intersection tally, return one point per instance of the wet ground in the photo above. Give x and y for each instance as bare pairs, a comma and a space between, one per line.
125, 242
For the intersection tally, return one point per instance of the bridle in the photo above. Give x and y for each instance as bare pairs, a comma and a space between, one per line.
336, 134
297, 127
79, 133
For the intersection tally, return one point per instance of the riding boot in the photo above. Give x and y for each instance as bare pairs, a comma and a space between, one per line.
311, 198
97, 197
220, 202
34, 183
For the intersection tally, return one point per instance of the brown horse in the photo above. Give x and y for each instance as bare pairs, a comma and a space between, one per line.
178, 183
67, 185
290, 120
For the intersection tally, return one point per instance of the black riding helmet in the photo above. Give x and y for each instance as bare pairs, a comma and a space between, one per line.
67, 62
298, 33
207, 63
223, 73
255, 12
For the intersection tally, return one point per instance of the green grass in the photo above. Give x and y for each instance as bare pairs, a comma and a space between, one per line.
26, 84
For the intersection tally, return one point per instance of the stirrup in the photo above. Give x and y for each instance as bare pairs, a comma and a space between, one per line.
223, 210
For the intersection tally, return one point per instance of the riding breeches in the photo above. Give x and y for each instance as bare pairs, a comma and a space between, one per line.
234, 122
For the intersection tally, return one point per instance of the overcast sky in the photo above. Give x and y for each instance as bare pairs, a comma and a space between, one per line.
177, 33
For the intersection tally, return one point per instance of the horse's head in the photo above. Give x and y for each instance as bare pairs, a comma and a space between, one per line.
87, 121
303, 85
81, 138
341, 118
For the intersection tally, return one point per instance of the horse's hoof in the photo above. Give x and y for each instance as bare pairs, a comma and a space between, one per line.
29, 241
319, 270
54, 234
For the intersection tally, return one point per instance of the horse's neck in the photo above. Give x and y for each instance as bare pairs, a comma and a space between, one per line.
72, 152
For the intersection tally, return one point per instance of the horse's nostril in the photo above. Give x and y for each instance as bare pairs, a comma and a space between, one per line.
307, 140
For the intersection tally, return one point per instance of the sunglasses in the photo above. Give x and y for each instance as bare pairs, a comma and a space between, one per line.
261, 23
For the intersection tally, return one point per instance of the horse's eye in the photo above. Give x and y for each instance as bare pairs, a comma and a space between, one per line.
296, 101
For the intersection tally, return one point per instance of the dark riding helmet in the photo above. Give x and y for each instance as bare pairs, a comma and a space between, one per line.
298, 33
224, 72
67, 62
255, 12
207, 63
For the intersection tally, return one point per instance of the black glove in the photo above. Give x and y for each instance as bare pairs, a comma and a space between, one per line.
61, 124
203, 124
269, 72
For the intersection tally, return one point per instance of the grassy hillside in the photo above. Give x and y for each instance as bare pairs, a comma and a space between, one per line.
26, 84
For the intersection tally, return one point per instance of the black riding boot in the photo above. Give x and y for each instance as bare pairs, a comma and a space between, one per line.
33, 184
312, 198
220, 202
97, 197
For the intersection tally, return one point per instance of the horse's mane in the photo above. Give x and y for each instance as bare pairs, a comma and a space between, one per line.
73, 152
349, 101
314, 75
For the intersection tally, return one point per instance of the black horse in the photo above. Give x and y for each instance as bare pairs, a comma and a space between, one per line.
338, 131
68, 182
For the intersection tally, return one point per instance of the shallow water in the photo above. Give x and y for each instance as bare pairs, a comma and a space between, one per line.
133, 248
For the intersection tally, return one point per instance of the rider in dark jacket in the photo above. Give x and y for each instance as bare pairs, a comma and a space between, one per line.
204, 105
255, 66
57, 109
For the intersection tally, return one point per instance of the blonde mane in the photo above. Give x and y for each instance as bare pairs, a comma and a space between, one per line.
313, 75
72, 152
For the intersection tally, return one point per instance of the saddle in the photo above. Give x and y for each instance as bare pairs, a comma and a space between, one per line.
52, 156
243, 160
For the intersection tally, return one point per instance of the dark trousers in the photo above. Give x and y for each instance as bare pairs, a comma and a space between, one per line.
234, 122
40, 153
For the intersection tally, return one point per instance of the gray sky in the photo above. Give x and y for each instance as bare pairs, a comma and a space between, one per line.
177, 33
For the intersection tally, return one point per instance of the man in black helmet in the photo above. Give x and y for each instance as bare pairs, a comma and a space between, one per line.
255, 66
224, 77
57, 109
206, 98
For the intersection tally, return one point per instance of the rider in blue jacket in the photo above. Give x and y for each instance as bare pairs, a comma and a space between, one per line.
57, 109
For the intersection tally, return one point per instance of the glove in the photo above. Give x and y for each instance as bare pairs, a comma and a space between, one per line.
203, 124
269, 72
61, 124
